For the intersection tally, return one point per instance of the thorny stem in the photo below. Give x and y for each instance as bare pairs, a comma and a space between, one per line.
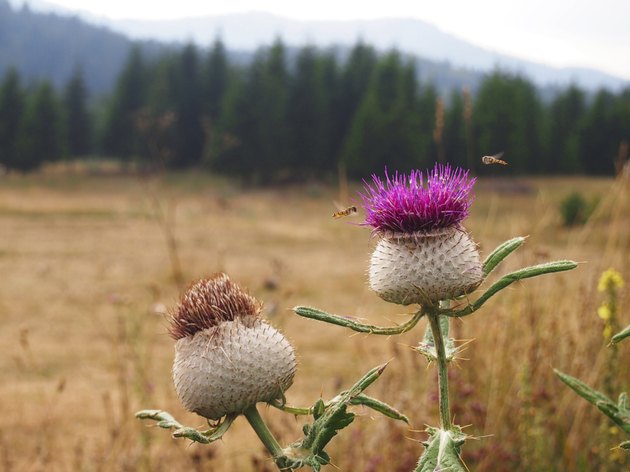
262, 431
442, 366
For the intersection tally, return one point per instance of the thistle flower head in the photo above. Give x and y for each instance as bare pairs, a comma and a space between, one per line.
424, 254
407, 204
227, 358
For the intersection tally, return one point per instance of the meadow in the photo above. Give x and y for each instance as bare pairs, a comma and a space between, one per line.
91, 264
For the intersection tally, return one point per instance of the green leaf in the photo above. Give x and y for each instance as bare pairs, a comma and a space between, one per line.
336, 417
192, 434
327, 423
500, 253
379, 406
318, 408
621, 335
625, 445
442, 452
350, 322
167, 421
363, 400
618, 413
427, 348
527, 272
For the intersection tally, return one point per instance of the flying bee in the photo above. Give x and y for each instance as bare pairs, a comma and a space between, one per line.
496, 159
345, 212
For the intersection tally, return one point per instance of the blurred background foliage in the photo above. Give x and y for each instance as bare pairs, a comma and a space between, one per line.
279, 118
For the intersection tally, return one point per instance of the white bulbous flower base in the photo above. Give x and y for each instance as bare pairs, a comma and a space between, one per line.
232, 366
425, 267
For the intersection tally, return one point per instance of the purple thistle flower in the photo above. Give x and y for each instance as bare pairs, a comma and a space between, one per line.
404, 204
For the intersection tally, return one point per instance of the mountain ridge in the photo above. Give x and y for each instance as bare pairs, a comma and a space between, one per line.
410, 36
443, 58
51, 46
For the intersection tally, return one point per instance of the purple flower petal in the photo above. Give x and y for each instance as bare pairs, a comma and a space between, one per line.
406, 204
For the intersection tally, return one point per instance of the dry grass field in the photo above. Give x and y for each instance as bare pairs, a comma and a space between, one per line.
87, 271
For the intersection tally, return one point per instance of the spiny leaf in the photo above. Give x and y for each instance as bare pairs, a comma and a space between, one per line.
377, 405
427, 346
350, 322
361, 399
167, 421
620, 416
328, 421
336, 416
500, 253
621, 335
442, 452
525, 273
192, 434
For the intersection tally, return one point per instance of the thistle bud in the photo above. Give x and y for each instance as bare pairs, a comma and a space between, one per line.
424, 254
227, 358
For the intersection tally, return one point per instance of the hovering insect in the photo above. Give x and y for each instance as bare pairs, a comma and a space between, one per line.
345, 212
496, 159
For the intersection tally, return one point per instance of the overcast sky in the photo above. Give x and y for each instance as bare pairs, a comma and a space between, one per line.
591, 33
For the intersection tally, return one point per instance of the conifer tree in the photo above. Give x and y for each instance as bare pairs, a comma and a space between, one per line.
186, 94
599, 143
354, 79
78, 124
508, 116
565, 119
386, 128
11, 114
255, 119
216, 76
427, 102
121, 137
455, 130
307, 111
272, 110
40, 137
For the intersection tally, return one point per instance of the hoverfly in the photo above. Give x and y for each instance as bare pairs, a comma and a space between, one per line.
345, 212
496, 159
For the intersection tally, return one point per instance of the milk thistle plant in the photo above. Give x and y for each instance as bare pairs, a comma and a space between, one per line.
424, 256
228, 359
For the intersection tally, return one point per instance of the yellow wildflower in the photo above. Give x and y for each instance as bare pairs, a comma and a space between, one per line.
610, 279
604, 312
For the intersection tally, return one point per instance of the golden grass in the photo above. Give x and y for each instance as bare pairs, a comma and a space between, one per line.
86, 275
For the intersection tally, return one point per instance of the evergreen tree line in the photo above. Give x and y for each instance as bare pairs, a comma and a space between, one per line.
38, 125
299, 114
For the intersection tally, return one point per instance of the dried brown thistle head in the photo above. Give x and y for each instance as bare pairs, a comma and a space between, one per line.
209, 302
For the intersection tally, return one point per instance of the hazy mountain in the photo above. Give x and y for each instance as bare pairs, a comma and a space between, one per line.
250, 30
49, 45
44, 40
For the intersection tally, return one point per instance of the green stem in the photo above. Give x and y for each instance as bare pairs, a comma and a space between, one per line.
442, 366
261, 429
315, 314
